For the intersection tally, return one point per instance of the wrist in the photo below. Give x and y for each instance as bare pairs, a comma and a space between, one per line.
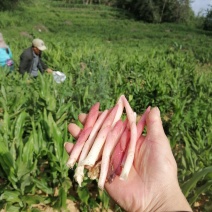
170, 199
174, 200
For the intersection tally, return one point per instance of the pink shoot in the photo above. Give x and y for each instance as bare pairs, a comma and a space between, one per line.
100, 139
78, 147
117, 156
119, 111
93, 135
111, 116
110, 143
92, 116
89, 122
79, 172
140, 128
96, 148
133, 138
108, 138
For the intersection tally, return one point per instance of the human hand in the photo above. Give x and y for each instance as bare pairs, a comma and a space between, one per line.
49, 70
152, 183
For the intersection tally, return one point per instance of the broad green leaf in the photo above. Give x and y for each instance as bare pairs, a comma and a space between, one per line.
19, 130
11, 196
51, 104
6, 159
6, 124
57, 138
28, 151
83, 194
191, 183
42, 184
11, 208
36, 199
105, 198
62, 197
34, 139
22, 168
200, 190
188, 152
25, 181
3, 92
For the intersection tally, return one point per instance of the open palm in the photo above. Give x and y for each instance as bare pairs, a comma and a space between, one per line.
153, 170
152, 184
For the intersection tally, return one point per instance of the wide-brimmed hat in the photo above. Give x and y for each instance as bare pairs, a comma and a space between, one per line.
39, 44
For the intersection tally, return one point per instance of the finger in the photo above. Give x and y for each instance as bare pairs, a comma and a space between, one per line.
82, 117
155, 131
159, 141
141, 123
68, 147
74, 129
139, 144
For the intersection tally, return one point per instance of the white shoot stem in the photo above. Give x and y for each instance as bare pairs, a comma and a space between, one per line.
119, 111
93, 135
79, 172
96, 148
140, 128
100, 139
130, 153
79, 175
133, 138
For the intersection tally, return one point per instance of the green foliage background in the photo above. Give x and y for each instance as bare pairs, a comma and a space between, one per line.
103, 54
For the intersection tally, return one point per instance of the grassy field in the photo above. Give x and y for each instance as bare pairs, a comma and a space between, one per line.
104, 53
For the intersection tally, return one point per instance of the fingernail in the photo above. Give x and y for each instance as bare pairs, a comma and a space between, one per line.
65, 144
157, 111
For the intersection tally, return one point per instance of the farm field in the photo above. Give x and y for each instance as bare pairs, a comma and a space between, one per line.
104, 53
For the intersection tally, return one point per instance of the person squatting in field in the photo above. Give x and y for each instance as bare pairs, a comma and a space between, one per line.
152, 183
6, 56
31, 61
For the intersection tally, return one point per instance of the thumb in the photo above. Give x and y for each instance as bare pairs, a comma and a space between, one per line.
157, 137
155, 129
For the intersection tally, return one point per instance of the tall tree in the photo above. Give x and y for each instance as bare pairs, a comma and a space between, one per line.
8, 4
157, 10
207, 25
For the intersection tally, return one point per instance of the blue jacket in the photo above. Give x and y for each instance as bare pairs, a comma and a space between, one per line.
5, 55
